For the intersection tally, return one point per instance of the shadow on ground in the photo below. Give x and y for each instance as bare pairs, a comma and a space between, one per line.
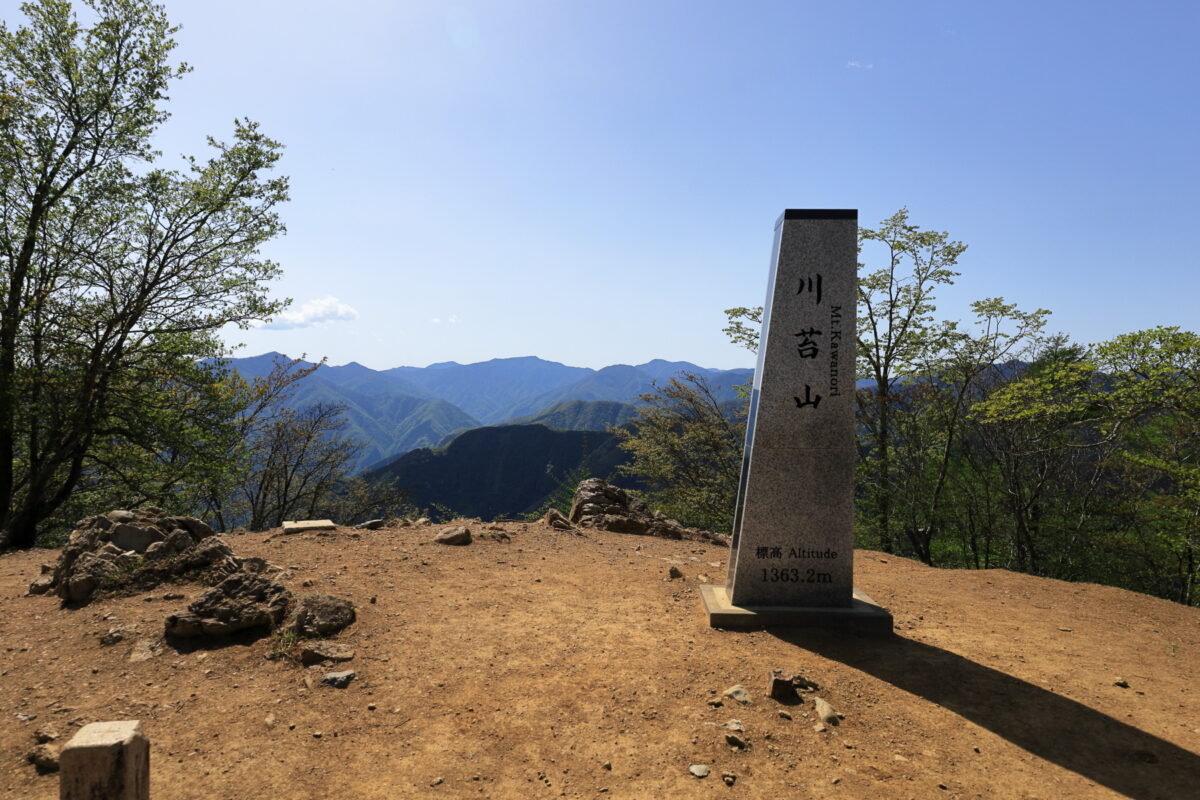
1050, 726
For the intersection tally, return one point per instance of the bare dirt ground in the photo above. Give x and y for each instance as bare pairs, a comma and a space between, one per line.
556, 665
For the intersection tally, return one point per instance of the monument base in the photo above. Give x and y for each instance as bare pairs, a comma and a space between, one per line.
861, 616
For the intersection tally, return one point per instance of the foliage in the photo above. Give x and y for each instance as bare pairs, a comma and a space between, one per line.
687, 452
993, 444
117, 274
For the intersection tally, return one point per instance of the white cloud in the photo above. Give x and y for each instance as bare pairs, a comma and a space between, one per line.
313, 313
450, 320
852, 64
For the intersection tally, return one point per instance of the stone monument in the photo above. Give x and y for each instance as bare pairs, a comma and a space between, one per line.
791, 559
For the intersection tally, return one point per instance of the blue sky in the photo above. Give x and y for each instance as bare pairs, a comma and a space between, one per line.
594, 182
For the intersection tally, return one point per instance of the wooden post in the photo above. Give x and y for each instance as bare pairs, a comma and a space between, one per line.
106, 761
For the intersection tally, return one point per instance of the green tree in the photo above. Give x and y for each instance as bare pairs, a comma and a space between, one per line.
115, 279
688, 452
896, 334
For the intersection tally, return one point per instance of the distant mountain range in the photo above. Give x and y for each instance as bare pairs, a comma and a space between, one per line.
395, 411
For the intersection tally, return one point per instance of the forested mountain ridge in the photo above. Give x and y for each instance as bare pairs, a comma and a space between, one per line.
502, 470
391, 412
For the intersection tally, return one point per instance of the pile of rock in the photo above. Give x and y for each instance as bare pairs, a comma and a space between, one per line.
107, 550
248, 599
601, 505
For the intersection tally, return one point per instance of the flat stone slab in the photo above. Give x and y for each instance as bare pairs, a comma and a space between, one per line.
302, 525
863, 615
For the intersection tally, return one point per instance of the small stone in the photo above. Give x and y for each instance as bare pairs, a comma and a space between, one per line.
736, 742
437, 781
1066, 630
1124, 684
371, 707
898, 757
320, 650
338, 680
836, 781
825, 712
819, 728
733, 725
674, 572
457, 535
737, 692
45, 734
699, 770
729, 778
370, 525
269, 721
716, 702
113, 636
607, 765
804, 684
784, 715
44, 757
317, 734
26, 717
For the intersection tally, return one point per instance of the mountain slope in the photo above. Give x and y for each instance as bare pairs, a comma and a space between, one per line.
486, 389
500, 470
580, 415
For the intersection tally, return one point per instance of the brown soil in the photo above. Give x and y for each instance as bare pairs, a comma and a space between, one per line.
557, 665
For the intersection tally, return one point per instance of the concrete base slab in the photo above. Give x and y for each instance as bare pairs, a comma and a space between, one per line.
299, 526
862, 616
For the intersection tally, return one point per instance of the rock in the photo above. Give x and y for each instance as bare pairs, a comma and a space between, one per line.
674, 572
736, 741
41, 584
239, 602
699, 770
88, 573
423, 521
158, 551
458, 535
737, 692
733, 725
782, 686
45, 734
602, 506
1124, 684
338, 680
825, 712
556, 520
320, 650
44, 757
197, 528
114, 635
369, 525
179, 540
784, 715
819, 728
144, 650
269, 721
320, 615
804, 684
729, 778
120, 515
137, 538
716, 702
